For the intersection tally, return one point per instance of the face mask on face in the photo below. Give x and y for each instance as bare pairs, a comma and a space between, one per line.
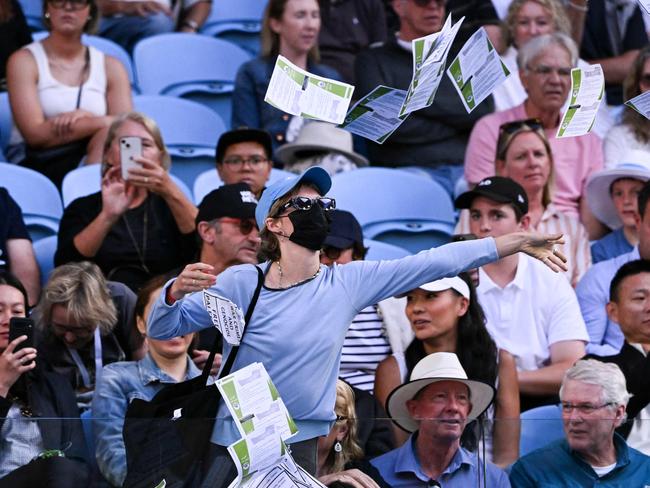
310, 227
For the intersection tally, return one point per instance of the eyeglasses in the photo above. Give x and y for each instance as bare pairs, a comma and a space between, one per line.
246, 226
332, 253
74, 4
545, 71
584, 408
79, 332
305, 203
236, 162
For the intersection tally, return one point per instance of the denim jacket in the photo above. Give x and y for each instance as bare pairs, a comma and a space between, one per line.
248, 106
119, 384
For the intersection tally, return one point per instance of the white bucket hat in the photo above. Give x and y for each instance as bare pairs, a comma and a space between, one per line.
439, 366
320, 136
634, 164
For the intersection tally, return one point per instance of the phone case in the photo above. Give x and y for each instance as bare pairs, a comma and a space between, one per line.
130, 147
19, 326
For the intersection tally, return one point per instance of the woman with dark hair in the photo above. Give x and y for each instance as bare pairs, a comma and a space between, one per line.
446, 317
165, 362
305, 308
41, 440
14, 34
634, 130
290, 28
63, 93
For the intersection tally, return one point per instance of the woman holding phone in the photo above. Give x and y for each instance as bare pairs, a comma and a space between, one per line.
134, 228
33, 453
305, 308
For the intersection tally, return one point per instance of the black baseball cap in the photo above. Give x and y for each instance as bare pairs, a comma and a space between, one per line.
244, 134
236, 201
499, 189
345, 230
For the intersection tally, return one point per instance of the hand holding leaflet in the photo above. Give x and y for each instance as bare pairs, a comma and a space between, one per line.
376, 116
587, 90
477, 70
641, 103
298, 92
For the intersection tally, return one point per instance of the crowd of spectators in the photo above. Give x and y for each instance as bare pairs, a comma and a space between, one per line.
405, 372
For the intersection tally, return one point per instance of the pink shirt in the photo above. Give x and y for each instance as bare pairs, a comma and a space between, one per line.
575, 157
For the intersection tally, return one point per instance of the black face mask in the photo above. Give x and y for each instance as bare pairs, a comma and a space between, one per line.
310, 227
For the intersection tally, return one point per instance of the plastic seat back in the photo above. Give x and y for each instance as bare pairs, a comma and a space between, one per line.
380, 251
6, 121
396, 207
44, 250
238, 22
33, 10
539, 427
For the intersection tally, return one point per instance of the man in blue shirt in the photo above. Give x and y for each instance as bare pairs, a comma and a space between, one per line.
605, 336
594, 399
435, 405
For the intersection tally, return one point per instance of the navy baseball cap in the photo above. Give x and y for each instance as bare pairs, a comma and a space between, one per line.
498, 189
314, 175
345, 230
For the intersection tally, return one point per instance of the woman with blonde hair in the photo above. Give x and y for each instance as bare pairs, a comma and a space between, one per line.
136, 228
633, 133
64, 94
83, 323
290, 28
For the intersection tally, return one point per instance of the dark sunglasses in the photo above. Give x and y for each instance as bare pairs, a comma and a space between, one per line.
74, 4
305, 203
246, 226
517, 125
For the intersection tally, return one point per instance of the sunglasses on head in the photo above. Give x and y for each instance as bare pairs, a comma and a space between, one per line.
517, 125
74, 4
305, 203
246, 226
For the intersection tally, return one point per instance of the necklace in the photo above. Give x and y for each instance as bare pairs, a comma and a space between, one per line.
297, 282
142, 254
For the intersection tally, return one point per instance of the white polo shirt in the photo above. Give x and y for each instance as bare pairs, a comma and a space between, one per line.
536, 309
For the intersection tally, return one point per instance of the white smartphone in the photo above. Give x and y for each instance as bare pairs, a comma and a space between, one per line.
130, 147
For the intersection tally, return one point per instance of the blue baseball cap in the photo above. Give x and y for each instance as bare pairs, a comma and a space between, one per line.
314, 175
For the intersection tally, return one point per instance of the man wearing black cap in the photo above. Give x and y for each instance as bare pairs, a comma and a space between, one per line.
532, 313
228, 236
244, 155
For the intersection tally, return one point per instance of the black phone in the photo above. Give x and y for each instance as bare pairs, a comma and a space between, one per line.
20, 326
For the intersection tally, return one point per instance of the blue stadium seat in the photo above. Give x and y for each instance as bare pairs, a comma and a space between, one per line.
86, 180
209, 180
199, 68
378, 251
33, 10
396, 207
44, 250
37, 196
239, 22
6, 123
190, 132
540, 426
104, 45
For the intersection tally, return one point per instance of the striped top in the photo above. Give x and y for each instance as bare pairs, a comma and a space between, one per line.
576, 246
364, 347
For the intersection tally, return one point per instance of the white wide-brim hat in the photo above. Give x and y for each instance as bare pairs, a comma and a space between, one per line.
439, 366
320, 136
634, 164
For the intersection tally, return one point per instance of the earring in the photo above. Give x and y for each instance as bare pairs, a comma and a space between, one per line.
338, 447
47, 15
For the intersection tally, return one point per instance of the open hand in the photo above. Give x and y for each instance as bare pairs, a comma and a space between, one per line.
151, 176
546, 248
116, 197
13, 364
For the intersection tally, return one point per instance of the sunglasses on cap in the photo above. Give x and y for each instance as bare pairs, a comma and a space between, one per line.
246, 226
509, 130
305, 203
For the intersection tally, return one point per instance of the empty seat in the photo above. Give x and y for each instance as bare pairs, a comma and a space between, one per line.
239, 22
44, 249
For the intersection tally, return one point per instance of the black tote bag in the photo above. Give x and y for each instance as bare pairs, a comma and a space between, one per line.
167, 437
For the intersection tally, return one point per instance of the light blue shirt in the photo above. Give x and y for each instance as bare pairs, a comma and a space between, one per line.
298, 332
401, 468
605, 336
612, 245
118, 384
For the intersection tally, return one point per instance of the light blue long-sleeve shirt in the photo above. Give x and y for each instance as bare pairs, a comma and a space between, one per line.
298, 332
605, 336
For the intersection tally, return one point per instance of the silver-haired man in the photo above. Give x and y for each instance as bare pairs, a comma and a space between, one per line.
594, 397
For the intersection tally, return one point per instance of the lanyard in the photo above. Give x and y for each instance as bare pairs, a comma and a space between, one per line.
85, 376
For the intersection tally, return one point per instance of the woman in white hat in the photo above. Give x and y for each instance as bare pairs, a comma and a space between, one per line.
612, 196
445, 316
305, 308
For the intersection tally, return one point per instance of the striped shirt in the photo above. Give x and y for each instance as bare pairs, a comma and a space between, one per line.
364, 347
576, 246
